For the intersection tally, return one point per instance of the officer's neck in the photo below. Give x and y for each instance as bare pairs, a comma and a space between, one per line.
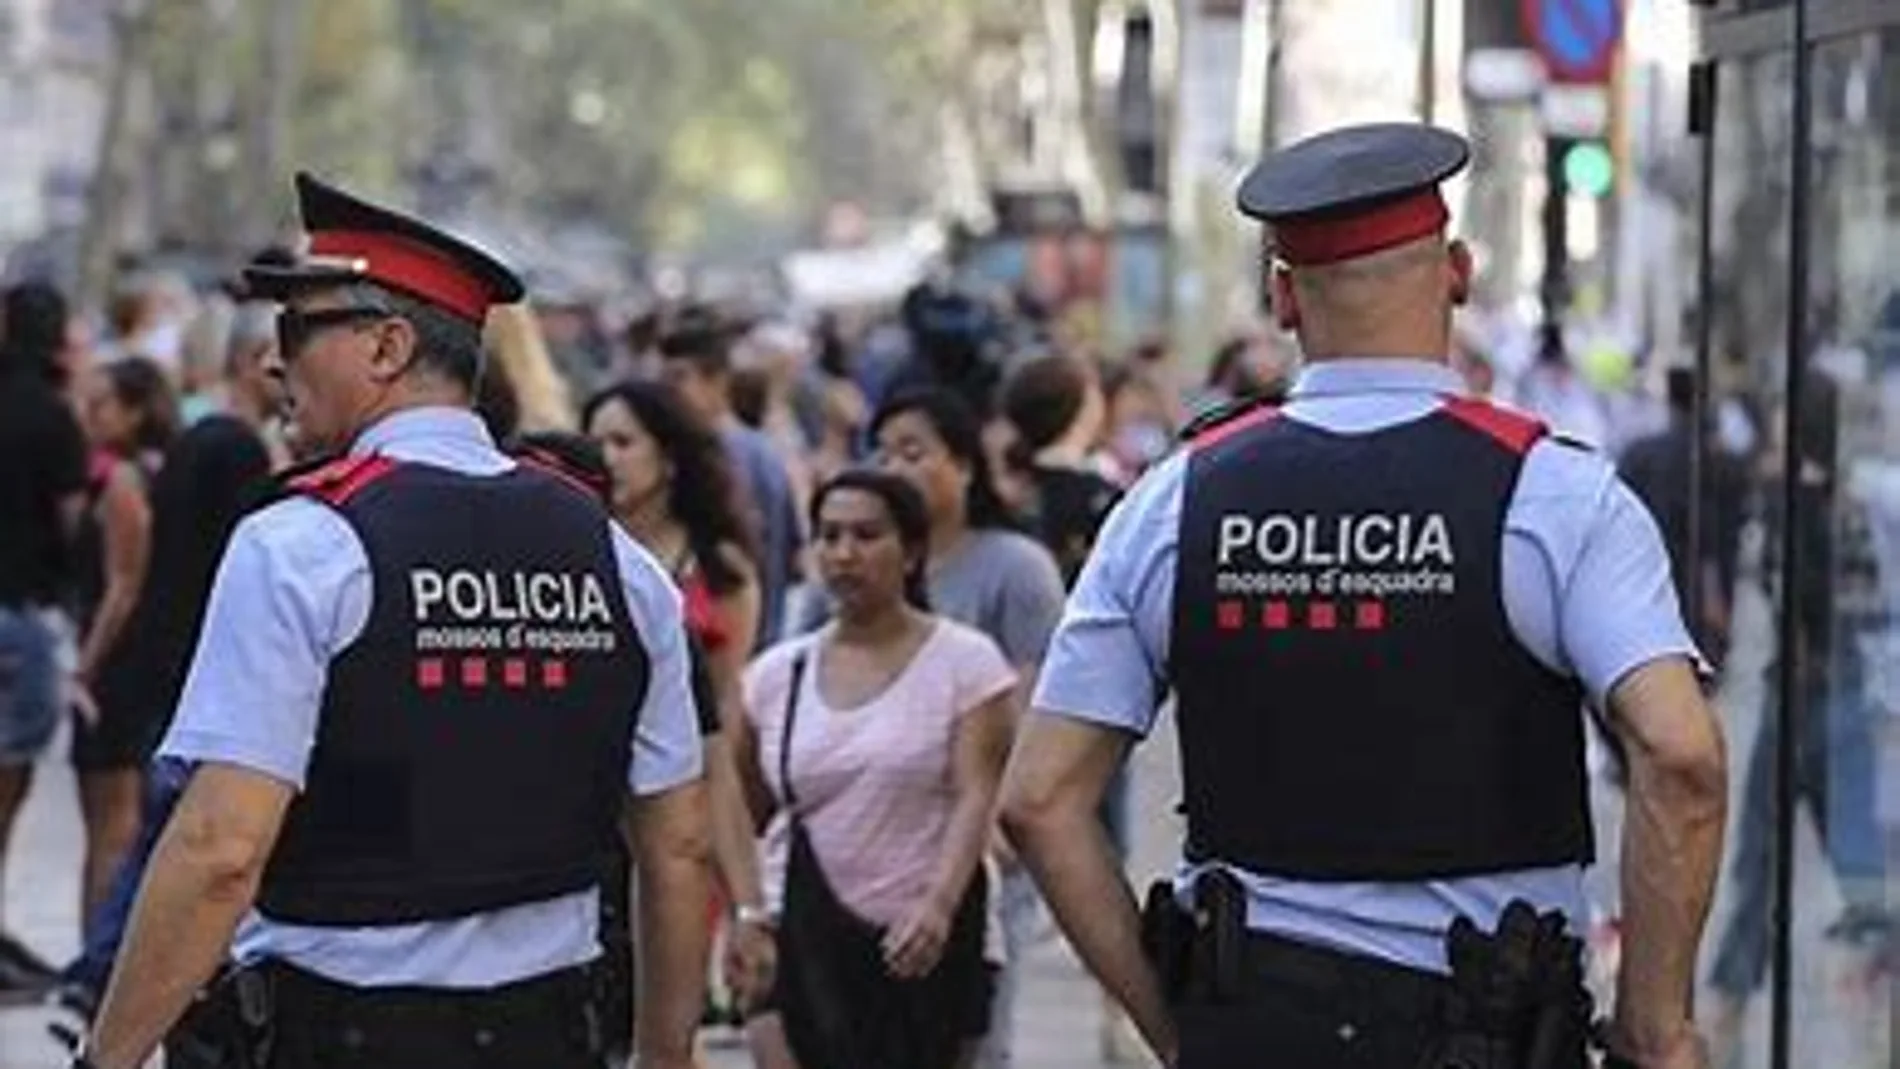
1400, 350
1396, 333
409, 394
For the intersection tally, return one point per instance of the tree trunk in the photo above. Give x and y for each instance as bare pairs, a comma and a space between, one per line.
111, 184
213, 92
268, 138
1062, 34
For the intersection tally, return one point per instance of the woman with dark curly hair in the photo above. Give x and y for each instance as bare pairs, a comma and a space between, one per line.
674, 491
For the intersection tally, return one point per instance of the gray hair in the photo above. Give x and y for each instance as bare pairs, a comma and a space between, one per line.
253, 324
445, 343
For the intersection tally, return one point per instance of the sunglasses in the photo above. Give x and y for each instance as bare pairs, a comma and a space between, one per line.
295, 329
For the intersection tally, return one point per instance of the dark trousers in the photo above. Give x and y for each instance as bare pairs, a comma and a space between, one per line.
543, 1023
1306, 1008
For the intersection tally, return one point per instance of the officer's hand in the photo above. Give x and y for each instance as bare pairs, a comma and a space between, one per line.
913, 948
751, 961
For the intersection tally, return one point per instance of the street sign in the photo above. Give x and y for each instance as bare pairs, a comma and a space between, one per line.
1503, 75
1575, 111
1576, 38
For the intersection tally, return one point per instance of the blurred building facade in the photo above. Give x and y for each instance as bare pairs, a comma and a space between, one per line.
1794, 306
55, 57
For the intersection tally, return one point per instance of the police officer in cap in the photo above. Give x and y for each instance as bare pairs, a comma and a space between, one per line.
1380, 608
427, 678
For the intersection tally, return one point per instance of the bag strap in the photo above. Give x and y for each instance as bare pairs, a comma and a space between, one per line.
785, 733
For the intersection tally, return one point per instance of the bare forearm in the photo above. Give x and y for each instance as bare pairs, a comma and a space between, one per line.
180, 932
673, 947
734, 845
671, 851
107, 624
1073, 864
964, 842
1672, 848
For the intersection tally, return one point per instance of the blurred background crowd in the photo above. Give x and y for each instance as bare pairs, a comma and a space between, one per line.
988, 245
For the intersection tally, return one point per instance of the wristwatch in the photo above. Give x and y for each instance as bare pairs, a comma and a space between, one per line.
748, 914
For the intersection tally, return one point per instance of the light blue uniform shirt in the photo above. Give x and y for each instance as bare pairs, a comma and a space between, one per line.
292, 592
1586, 589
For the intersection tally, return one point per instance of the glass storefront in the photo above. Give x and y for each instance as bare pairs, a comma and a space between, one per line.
1802, 304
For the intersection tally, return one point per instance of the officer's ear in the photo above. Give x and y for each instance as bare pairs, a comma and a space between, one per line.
1462, 267
395, 349
1286, 302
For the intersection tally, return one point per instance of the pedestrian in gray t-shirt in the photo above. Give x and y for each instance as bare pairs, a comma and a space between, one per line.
984, 573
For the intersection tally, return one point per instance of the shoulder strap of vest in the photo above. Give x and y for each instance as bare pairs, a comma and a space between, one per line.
1513, 430
281, 483
334, 481
1222, 420
547, 463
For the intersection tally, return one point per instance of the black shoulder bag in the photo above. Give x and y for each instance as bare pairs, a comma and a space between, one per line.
841, 1008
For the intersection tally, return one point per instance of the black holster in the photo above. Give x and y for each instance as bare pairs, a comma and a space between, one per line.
1518, 998
231, 1024
1167, 939
1199, 954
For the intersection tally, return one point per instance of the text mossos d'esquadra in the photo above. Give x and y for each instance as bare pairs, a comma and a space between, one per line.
1372, 554
547, 612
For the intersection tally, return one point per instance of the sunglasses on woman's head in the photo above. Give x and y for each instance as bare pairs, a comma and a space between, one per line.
295, 328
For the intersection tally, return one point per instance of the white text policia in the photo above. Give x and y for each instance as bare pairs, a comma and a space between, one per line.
1369, 540
492, 597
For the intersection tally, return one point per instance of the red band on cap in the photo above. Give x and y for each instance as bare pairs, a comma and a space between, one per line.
410, 266
1323, 241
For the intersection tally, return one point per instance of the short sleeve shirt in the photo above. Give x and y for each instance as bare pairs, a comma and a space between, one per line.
293, 591
1587, 591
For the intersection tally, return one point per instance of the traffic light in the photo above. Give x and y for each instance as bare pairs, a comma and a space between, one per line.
1589, 170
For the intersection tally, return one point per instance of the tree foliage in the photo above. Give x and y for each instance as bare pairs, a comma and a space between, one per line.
682, 124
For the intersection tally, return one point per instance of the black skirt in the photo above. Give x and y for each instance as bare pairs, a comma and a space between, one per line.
841, 1007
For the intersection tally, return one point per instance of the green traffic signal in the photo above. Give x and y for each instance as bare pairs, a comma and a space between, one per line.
1588, 169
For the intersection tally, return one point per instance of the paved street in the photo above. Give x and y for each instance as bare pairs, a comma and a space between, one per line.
1842, 1019
1057, 1029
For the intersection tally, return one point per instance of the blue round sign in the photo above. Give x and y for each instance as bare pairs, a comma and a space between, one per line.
1576, 38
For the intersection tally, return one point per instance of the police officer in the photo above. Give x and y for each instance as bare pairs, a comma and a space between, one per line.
1380, 608
426, 680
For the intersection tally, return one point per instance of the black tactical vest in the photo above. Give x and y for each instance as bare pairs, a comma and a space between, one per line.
1352, 702
473, 744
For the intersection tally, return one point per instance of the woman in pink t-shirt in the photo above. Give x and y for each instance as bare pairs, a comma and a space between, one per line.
900, 724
